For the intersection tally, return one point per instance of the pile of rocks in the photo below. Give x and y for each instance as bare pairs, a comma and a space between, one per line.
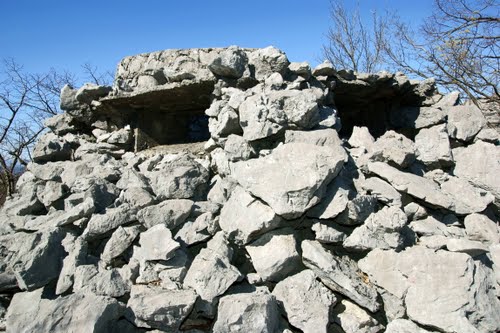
280, 225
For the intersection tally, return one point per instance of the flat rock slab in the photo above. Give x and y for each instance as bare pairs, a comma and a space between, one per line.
445, 290
292, 178
340, 274
29, 312
159, 308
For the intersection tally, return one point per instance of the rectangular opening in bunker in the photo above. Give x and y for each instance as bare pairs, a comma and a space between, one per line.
161, 127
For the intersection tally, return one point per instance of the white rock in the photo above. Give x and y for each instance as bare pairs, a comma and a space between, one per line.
354, 319
465, 121
361, 137
480, 228
433, 146
157, 243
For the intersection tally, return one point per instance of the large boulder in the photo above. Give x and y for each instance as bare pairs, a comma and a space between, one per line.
465, 121
444, 290
78, 312
292, 178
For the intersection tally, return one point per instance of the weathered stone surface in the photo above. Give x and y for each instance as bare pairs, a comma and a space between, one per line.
445, 290
35, 258
382, 190
393, 147
354, 319
243, 217
335, 200
51, 148
229, 63
60, 124
112, 218
157, 243
238, 149
77, 251
110, 282
197, 231
211, 272
465, 121
274, 255
180, 177
472, 248
361, 137
308, 169
479, 227
357, 210
380, 230
433, 146
68, 98
414, 185
466, 197
340, 274
479, 164
267, 61
172, 213
29, 312
431, 226
247, 312
307, 303
329, 232
153, 307
321, 137
120, 240
404, 326
90, 92
418, 117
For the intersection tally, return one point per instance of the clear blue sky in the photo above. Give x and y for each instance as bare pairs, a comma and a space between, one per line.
65, 34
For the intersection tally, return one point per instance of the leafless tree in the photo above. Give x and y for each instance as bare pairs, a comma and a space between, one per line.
25, 101
458, 45
93, 75
352, 43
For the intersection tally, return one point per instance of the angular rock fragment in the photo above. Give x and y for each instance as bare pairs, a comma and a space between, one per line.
243, 217
290, 191
329, 233
247, 312
157, 243
307, 303
120, 240
382, 230
340, 274
357, 210
172, 213
29, 312
354, 319
51, 148
433, 146
480, 228
153, 307
445, 290
274, 255
335, 200
393, 147
382, 190
111, 219
465, 121
211, 272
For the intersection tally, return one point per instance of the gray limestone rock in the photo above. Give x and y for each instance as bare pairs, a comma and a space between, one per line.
329, 232
361, 138
229, 63
121, 239
77, 252
416, 186
61, 124
404, 326
357, 210
153, 307
171, 213
274, 255
320, 137
393, 147
211, 272
197, 231
335, 200
340, 274
243, 217
255, 312
180, 177
50, 193
479, 163
50, 148
267, 61
382, 229
157, 243
480, 228
382, 190
307, 302
418, 117
472, 248
433, 146
99, 224
465, 121
309, 168
90, 92
238, 149
137, 197
68, 100
29, 312
112, 282
445, 290
34, 258
354, 319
